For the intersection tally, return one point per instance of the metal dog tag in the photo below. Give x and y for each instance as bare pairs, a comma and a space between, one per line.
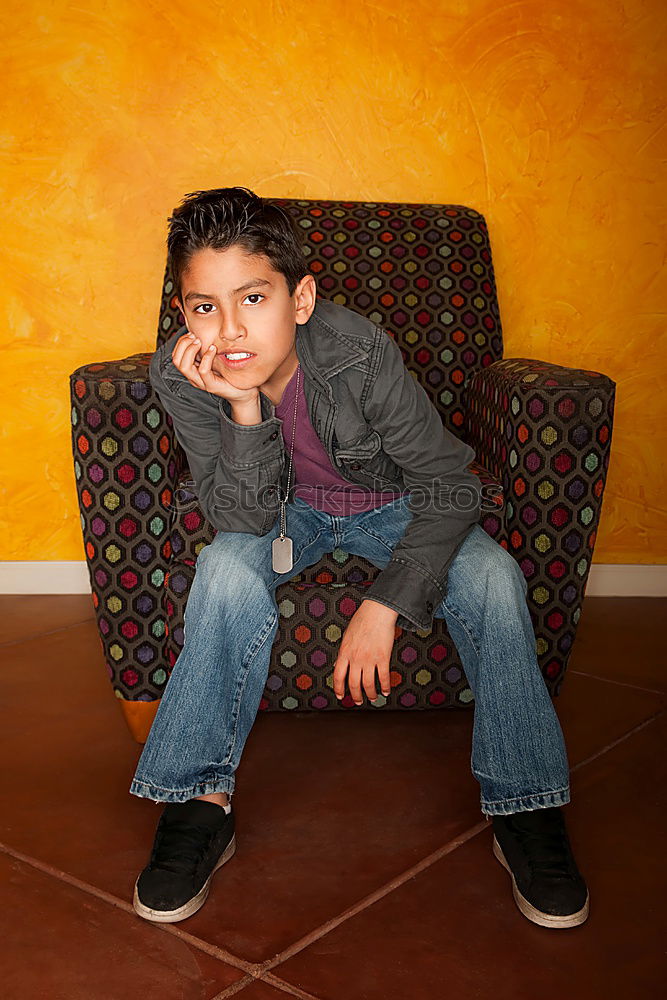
281, 553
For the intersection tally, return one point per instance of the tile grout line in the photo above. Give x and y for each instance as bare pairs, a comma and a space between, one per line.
282, 984
236, 987
41, 635
271, 980
621, 739
610, 680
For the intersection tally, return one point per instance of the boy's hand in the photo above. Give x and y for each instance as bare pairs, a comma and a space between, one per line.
201, 374
366, 644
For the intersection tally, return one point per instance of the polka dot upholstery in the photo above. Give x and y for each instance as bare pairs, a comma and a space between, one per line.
541, 433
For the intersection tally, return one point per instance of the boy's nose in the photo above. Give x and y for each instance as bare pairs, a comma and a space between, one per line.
231, 341
229, 338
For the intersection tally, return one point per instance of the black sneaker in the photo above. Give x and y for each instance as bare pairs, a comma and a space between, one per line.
193, 839
535, 849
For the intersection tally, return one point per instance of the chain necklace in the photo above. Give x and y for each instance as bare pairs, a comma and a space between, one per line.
281, 548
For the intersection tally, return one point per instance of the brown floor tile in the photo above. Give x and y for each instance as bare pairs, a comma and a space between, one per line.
455, 931
619, 638
59, 943
329, 808
25, 615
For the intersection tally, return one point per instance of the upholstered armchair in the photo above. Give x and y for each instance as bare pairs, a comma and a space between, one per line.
541, 434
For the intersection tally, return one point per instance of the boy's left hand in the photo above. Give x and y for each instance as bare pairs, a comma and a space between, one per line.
366, 644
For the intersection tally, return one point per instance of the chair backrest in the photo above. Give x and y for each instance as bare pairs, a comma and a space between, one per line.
423, 272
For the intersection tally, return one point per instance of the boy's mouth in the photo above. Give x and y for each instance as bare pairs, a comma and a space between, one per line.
237, 359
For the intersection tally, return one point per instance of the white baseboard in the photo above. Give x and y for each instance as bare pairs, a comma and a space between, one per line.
627, 580
71, 577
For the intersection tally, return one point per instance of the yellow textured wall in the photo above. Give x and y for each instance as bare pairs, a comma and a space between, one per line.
548, 116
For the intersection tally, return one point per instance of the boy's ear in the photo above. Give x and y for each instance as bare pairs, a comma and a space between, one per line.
305, 294
180, 306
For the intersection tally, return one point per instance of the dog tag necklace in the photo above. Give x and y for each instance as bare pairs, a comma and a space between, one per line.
281, 548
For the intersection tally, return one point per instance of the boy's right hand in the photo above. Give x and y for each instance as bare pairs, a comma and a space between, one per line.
200, 373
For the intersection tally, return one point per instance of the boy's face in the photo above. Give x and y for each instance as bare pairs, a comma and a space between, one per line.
237, 302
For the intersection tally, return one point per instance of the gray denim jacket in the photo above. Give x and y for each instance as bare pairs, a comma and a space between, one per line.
380, 431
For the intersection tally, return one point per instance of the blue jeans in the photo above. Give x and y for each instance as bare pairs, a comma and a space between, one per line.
231, 620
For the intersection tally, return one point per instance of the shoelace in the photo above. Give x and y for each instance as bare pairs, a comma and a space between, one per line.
550, 855
181, 846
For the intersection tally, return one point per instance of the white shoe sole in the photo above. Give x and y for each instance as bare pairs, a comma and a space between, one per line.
192, 905
529, 911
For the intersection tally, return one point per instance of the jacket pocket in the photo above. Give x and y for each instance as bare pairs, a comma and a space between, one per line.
362, 449
366, 463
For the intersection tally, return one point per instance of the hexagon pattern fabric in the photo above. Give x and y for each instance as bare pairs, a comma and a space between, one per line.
541, 433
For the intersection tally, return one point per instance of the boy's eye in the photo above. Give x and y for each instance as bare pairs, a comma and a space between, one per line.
204, 308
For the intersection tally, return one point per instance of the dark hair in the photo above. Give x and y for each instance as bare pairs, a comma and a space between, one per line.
224, 217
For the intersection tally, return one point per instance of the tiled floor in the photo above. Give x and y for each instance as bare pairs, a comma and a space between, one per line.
363, 868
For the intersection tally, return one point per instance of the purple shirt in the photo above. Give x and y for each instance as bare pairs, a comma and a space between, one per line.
317, 481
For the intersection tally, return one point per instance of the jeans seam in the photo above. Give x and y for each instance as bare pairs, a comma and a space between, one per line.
377, 538
151, 786
463, 623
528, 795
251, 654
308, 544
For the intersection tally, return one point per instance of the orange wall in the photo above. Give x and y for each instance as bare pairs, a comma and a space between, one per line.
547, 115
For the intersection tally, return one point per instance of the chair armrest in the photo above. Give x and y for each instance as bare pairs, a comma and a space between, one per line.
518, 401
116, 412
127, 463
545, 431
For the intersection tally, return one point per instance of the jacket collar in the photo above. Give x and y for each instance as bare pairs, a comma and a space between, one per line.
322, 344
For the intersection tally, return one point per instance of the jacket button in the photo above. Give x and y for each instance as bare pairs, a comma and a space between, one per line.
429, 607
273, 436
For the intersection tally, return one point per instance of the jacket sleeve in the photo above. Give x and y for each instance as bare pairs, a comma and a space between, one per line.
235, 468
444, 497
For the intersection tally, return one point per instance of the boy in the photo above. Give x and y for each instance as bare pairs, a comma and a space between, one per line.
304, 432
